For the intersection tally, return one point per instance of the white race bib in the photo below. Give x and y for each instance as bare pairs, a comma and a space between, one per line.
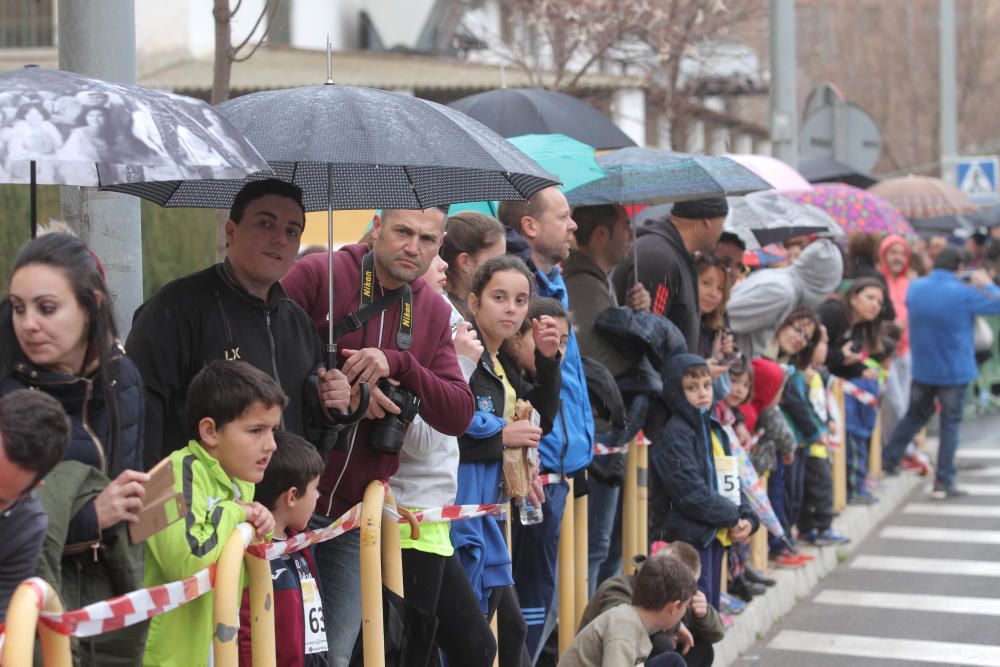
312, 609
727, 476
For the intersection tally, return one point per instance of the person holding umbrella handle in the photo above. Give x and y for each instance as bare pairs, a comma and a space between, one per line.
237, 310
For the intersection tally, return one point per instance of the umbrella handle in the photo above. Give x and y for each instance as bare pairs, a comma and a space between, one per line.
358, 413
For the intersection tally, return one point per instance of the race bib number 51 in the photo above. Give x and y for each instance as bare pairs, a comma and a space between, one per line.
728, 478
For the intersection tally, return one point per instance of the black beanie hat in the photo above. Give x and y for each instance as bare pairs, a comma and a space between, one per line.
698, 209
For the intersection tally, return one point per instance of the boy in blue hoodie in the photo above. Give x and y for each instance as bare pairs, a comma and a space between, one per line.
695, 494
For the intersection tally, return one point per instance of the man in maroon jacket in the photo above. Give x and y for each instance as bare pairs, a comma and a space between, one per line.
409, 343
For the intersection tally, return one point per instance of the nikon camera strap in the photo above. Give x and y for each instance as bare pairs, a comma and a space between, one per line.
369, 308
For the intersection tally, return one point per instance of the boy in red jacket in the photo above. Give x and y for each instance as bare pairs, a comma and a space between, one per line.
289, 491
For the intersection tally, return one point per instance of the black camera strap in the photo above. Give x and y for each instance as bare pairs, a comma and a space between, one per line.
371, 307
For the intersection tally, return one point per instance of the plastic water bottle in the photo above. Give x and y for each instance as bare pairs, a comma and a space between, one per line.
530, 515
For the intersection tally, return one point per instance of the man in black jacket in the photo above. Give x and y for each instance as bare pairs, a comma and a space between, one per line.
666, 264
236, 310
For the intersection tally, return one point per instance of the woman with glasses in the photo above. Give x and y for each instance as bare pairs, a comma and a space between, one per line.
58, 336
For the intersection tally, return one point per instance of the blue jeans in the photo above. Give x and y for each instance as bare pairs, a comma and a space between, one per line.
922, 396
338, 562
602, 507
710, 580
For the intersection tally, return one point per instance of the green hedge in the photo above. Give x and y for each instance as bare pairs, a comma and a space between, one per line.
175, 242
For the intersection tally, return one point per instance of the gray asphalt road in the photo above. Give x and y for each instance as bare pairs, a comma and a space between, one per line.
921, 590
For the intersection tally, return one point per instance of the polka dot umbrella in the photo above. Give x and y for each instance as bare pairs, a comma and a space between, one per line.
857, 210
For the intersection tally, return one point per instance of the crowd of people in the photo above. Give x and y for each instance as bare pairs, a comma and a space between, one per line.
495, 353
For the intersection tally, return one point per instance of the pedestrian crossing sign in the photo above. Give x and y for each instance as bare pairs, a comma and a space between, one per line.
977, 177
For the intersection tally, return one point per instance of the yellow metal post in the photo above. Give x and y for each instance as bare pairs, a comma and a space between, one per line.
392, 555
838, 455
581, 561
228, 596
262, 631
642, 501
758, 550
30, 598
372, 635
630, 517
567, 586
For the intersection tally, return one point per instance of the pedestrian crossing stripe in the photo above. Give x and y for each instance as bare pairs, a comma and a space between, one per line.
951, 604
935, 566
942, 509
885, 648
950, 535
977, 454
987, 471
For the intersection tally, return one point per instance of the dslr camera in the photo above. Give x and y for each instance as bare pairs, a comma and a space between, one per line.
387, 435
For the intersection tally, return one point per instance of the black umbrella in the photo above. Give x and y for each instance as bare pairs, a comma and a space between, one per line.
825, 169
514, 112
68, 129
943, 224
361, 148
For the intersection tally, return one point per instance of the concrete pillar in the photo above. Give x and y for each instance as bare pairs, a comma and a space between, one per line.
628, 109
97, 39
718, 142
696, 137
743, 143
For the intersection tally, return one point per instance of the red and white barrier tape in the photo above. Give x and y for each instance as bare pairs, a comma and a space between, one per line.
551, 478
346, 522
449, 513
127, 610
640, 441
131, 608
860, 394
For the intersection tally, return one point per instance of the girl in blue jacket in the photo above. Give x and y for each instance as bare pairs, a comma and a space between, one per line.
501, 293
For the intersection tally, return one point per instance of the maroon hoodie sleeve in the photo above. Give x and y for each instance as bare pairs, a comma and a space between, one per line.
445, 398
305, 284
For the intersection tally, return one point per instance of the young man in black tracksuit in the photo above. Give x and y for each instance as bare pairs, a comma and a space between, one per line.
236, 310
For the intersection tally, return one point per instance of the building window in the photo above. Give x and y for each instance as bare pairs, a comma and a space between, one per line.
26, 23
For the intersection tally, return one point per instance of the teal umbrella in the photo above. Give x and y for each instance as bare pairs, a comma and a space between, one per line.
655, 176
569, 160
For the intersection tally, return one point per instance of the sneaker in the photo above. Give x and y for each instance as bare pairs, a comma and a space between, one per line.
730, 605
942, 492
786, 559
758, 577
808, 537
862, 499
830, 537
916, 464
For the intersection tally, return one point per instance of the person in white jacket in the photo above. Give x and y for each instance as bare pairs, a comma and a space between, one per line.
761, 302
433, 577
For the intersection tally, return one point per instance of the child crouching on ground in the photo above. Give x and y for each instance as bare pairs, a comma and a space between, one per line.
695, 494
620, 636
231, 412
289, 491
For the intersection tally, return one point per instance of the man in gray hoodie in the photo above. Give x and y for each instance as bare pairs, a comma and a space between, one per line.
761, 302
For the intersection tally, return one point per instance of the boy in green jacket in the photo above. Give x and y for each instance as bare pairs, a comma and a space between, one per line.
232, 410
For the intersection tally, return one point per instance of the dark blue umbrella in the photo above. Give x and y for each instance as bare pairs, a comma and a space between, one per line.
654, 176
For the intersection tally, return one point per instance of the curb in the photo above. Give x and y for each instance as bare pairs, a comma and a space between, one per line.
795, 585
